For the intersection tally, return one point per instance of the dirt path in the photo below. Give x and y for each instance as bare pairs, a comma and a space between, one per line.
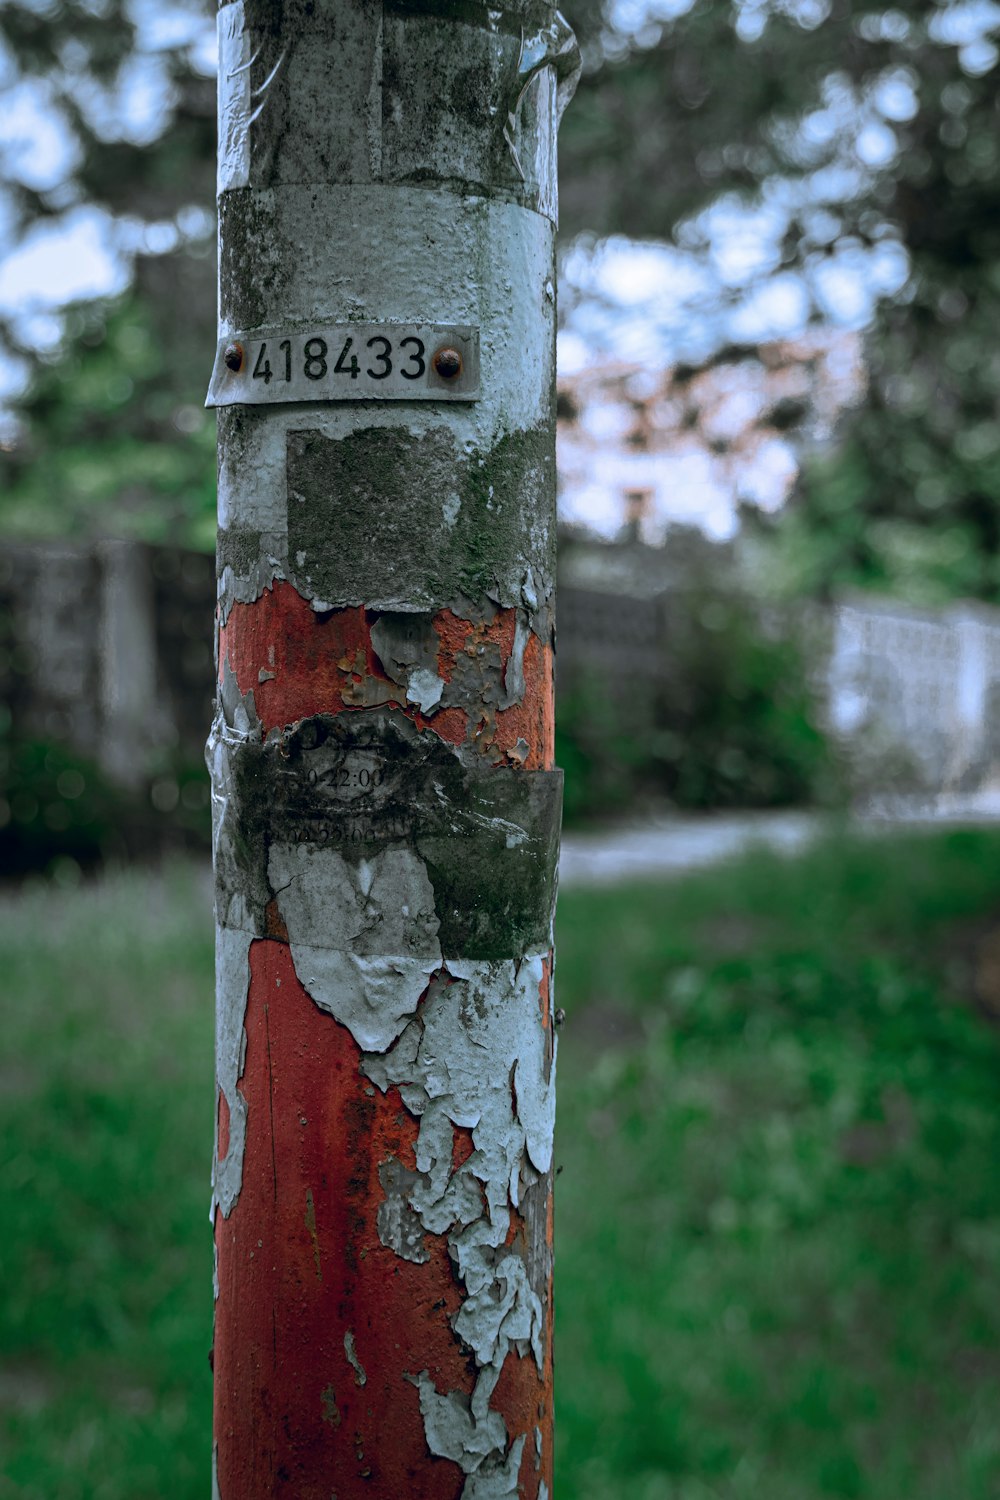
665, 844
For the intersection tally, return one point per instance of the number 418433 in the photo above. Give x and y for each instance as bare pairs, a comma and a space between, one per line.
314, 355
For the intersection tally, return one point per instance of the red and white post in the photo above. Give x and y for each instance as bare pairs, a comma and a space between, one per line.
386, 804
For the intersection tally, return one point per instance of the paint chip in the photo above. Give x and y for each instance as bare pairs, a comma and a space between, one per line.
424, 689
360, 1378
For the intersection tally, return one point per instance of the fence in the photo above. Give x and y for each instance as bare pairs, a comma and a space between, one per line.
107, 649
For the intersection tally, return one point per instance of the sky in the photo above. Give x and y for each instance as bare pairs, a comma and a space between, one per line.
652, 302
82, 252
720, 281
655, 301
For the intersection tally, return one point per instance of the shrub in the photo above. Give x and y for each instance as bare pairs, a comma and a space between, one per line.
733, 720
57, 805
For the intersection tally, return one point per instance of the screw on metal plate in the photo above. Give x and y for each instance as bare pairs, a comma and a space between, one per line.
233, 356
447, 363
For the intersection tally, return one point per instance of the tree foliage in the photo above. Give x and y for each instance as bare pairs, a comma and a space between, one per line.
864, 126
111, 436
859, 129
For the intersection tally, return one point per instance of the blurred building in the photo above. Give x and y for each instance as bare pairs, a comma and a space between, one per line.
641, 450
106, 647
917, 694
106, 650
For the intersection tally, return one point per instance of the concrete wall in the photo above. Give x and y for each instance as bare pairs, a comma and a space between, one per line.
108, 649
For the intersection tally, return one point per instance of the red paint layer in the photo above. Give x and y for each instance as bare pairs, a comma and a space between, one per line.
526, 1402
462, 1146
301, 1265
300, 1262
298, 663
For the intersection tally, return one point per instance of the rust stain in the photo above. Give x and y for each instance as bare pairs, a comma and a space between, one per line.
462, 1146
266, 1405
525, 1398
545, 991
298, 662
274, 922
326, 1275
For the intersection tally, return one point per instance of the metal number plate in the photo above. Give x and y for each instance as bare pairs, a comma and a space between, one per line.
347, 362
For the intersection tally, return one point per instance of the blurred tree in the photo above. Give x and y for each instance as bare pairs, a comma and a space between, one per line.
861, 131
864, 129
111, 435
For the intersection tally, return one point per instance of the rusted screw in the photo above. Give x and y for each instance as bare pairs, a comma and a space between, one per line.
233, 356
448, 363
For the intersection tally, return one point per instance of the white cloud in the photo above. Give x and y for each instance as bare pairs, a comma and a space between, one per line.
961, 24
840, 287
895, 94
876, 144
68, 260
36, 146
778, 307
572, 352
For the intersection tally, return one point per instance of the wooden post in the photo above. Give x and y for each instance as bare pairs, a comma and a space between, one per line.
387, 812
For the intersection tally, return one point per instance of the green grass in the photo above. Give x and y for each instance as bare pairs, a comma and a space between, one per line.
105, 1149
778, 1258
778, 1264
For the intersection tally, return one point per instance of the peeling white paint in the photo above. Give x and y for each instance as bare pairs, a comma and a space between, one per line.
239, 721
450, 509
372, 997
472, 1436
455, 1431
232, 985
233, 589
501, 1309
398, 1226
496, 1481
363, 937
407, 647
476, 1056
360, 1378
514, 676
424, 689
233, 99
